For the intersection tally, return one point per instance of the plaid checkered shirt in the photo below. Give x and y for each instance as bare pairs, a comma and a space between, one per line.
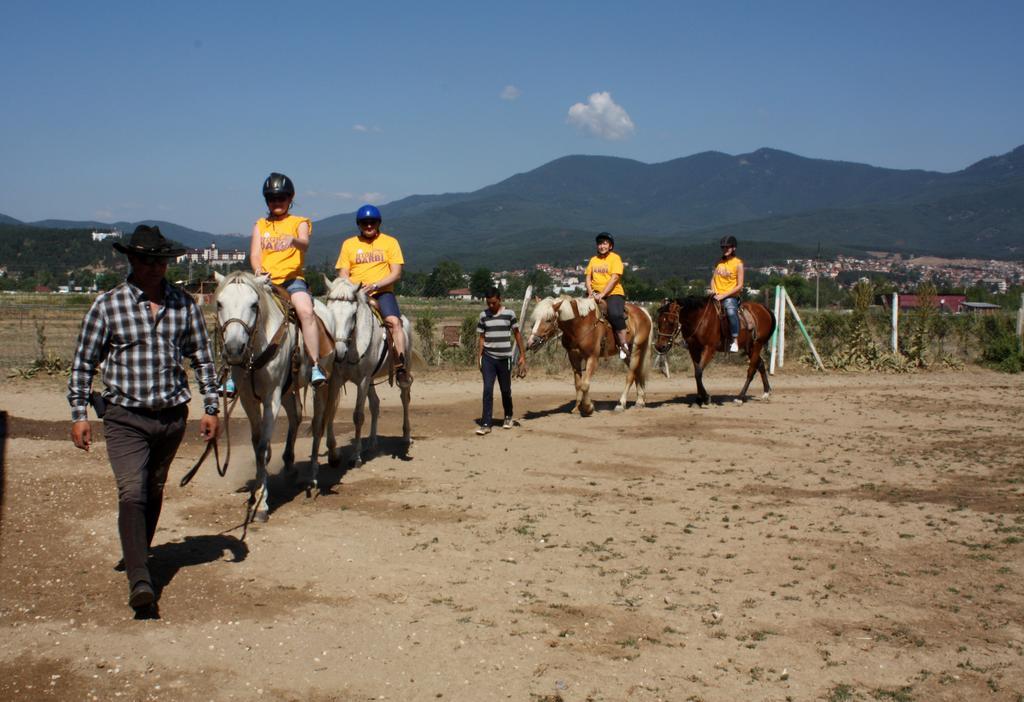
142, 357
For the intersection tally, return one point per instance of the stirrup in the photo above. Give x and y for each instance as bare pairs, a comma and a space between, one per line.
228, 388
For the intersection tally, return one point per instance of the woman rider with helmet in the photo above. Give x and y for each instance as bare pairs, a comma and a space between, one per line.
374, 259
727, 285
279, 244
604, 282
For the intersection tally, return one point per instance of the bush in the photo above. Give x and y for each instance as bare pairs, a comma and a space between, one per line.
1000, 347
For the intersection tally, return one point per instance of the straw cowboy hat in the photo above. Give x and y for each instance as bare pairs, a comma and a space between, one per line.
148, 241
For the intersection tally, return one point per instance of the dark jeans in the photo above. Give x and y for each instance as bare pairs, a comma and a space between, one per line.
616, 311
141, 445
500, 368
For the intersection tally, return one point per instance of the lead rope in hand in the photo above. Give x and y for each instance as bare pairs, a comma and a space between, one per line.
211, 445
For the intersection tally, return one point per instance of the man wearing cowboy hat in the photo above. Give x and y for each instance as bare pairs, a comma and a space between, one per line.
140, 332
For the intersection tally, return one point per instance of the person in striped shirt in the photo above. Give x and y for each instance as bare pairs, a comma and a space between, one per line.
140, 333
496, 329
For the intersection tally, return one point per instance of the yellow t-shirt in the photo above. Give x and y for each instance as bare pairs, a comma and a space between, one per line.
600, 271
370, 261
726, 275
281, 259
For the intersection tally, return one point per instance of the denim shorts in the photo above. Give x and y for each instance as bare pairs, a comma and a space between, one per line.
388, 304
295, 285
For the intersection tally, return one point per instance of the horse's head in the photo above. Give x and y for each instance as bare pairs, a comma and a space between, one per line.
239, 298
544, 324
668, 326
343, 298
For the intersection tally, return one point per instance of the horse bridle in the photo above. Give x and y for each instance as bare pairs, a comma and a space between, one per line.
249, 328
677, 328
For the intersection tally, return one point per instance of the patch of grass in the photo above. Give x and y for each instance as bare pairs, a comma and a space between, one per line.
840, 693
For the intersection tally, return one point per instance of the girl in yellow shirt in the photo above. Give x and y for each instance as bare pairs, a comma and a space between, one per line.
727, 285
279, 244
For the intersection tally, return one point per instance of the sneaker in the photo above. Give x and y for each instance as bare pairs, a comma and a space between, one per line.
508, 423
483, 430
228, 388
624, 352
734, 348
317, 377
142, 595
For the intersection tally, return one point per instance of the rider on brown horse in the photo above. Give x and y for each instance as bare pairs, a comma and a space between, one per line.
604, 282
727, 286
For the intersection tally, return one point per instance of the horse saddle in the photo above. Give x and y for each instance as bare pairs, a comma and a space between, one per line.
747, 321
609, 344
284, 301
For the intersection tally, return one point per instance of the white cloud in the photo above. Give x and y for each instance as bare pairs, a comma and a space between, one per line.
510, 92
601, 117
365, 128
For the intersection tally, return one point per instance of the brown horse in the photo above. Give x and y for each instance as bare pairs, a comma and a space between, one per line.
586, 338
697, 322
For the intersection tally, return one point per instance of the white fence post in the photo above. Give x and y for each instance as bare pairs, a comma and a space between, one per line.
775, 335
895, 322
783, 296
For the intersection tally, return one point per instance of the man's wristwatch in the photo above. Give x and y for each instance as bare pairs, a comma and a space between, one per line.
213, 411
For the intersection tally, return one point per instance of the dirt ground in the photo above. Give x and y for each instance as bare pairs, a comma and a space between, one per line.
857, 537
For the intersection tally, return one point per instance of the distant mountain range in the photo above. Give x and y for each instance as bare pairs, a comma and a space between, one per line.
661, 212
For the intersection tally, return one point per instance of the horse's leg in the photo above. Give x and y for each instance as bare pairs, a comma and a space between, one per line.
333, 393
577, 379
271, 406
640, 353
697, 355
586, 406
374, 401
317, 425
358, 414
291, 409
764, 374
630, 379
406, 393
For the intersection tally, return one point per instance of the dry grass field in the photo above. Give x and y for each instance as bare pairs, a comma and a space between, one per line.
857, 537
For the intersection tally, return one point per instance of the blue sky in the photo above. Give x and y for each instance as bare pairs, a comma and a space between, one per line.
177, 111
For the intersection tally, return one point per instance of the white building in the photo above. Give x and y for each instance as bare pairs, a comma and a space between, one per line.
112, 234
212, 256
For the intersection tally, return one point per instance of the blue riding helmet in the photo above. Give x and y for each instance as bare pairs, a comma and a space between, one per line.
367, 212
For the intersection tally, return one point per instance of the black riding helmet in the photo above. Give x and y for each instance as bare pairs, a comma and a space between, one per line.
278, 184
604, 236
729, 240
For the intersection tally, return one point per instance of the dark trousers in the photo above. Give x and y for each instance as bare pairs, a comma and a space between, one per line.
499, 368
616, 311
141, 445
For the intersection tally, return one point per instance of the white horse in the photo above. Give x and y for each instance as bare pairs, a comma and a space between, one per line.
258, 343
361, 355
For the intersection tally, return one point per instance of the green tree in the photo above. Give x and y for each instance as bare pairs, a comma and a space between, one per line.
480, 282
447, 275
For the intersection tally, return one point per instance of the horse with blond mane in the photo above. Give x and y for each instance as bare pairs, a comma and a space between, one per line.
270, 367
587, 337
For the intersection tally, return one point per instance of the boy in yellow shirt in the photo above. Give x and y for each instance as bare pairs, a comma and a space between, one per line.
374, 259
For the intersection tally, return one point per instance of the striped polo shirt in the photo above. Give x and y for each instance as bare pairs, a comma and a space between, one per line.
497, 330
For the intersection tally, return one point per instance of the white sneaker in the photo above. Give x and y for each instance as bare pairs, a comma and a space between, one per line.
508, 423
734, 348
483, 430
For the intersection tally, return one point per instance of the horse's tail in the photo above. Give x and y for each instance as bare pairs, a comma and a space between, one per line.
643, 368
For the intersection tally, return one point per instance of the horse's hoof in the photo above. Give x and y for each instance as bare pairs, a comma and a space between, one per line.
737, 401
356, 462
640, 404
766, 396
261, 516
620, 408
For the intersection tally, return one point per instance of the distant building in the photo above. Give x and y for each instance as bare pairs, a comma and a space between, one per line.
460, 294
979, 307
212, 256
112, 234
